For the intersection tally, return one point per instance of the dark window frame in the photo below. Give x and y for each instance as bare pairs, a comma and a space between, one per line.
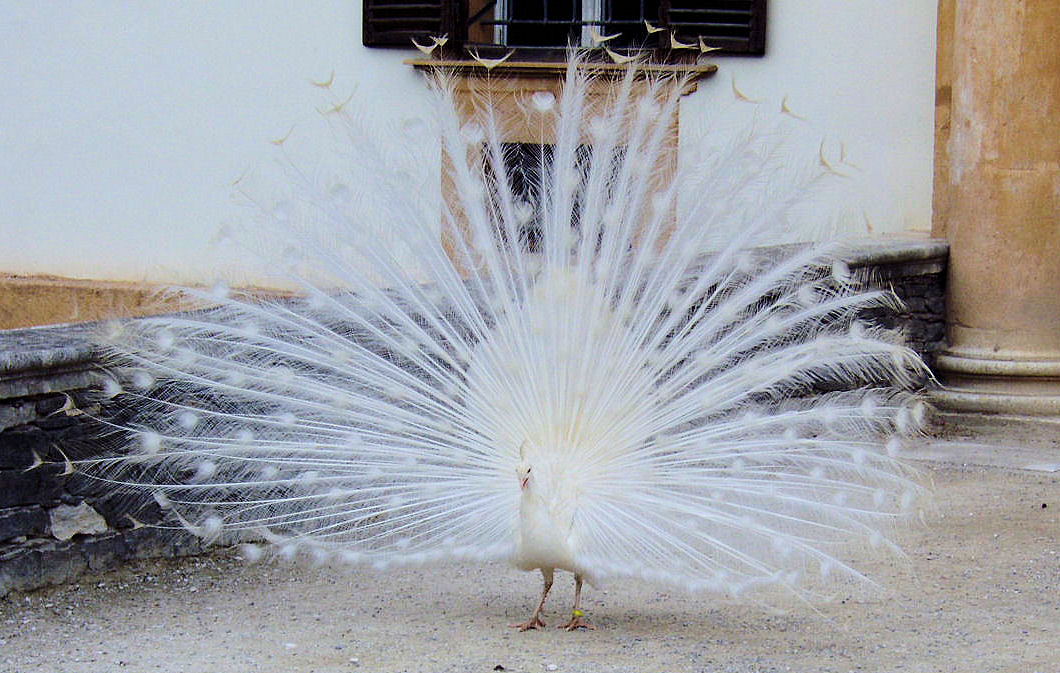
394, 23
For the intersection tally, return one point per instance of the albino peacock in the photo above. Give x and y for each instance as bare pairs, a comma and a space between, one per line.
590, 373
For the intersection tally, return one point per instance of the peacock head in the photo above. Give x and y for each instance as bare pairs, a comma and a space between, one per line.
523, 473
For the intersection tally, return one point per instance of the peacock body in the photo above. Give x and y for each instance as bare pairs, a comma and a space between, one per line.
590, 375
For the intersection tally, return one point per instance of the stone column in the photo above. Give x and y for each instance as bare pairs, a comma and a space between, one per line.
1001, 211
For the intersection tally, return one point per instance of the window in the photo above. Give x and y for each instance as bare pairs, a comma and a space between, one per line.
526, 165
545, 27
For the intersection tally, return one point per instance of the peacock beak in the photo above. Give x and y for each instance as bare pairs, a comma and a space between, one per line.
524, 481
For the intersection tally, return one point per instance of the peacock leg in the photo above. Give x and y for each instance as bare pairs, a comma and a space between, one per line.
576, 621
535, 619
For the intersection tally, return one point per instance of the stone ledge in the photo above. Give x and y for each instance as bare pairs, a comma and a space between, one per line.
914, 256
41, 360
38, 563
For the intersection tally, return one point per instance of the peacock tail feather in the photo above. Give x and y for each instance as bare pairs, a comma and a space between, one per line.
703, 407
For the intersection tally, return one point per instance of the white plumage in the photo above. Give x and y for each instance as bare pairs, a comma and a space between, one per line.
614, 381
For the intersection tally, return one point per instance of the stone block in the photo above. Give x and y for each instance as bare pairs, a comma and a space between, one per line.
50, 486
13, 414
29, 521
61, 562
936, 303
105, 552
184, 543
915, 304
57, 421
49, 404
38, 563
70, 520
148, 542
935, 332
19, 487
19, 445
117, 507
77, 441
20, 570
81, 485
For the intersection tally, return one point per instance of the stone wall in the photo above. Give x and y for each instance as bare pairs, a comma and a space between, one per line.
916, 271
56, 524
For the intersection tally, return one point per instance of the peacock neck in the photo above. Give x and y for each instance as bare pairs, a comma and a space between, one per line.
546, 518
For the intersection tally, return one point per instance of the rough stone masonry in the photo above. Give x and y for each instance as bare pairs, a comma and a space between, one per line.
56, 524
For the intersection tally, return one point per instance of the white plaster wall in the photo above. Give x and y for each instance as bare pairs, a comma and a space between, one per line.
861, 74
124, 125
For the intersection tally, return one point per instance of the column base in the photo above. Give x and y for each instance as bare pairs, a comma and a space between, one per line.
1019, 387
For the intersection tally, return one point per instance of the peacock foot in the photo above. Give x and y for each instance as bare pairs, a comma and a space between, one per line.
532, 623
576, 622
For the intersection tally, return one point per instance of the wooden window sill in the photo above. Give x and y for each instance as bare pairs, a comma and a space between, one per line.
556, 69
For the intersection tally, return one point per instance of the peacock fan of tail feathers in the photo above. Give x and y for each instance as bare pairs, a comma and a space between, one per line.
564, 363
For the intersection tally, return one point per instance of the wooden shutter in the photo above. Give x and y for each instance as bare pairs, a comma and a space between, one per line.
394, 23
736, 26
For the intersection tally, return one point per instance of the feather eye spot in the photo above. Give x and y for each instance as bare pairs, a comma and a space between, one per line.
826, 567
875, 539
252, 553
893, 446
283, 211
165, 339
187, 420
414, 125
841, 272
162, 500
543, 101
211, 528
351, 557
220, 290
204, 471
908, 498
868, 407
111, 388
142, 379
150, 442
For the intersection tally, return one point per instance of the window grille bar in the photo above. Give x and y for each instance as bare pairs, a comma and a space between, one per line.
733, 26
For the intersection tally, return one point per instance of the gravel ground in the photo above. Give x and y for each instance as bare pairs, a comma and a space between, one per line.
980, 591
